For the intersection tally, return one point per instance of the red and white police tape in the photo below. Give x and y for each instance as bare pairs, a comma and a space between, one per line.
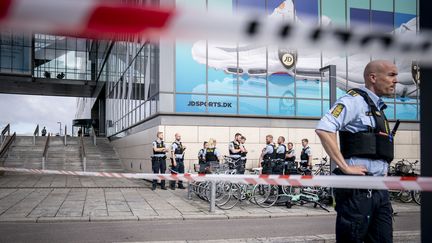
121, 21
365, 182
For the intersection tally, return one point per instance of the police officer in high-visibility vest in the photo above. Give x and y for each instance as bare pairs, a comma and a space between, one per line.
268, 154
177, 160
211, 155
235, 150
290, 165
159, 159
366, 147
280, 156
306, 156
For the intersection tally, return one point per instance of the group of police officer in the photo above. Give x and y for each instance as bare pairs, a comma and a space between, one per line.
278, 158
275, 158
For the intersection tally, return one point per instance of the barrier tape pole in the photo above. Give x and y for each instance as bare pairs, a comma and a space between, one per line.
105, 19
365, 182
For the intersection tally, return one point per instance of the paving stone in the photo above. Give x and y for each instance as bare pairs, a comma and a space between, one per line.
113, 218
62, 219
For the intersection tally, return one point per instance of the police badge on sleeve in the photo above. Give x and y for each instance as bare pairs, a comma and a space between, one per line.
337, 110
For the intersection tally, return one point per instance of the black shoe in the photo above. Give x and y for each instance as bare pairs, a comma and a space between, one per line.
172, 188
181, 187
153, 188
164, 188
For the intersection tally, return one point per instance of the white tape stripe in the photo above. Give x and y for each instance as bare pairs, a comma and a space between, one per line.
366, 182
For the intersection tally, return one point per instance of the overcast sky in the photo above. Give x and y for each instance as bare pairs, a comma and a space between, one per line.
24, 112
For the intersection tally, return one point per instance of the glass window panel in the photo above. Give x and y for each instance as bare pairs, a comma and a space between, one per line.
281, 85
190, 103
406, 111
222, 77
222, 104
252, 106
281, 107
190, 70
309, 108
389, 112
252, 85
308, 88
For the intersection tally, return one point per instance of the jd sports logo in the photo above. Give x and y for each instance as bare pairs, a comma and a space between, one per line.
287, 57
210, 104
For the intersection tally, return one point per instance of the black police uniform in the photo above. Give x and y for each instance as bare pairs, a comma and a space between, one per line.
290, 165
201, 160
210, 159
158, 163
179, 168
268, 160
280, 160
237, 157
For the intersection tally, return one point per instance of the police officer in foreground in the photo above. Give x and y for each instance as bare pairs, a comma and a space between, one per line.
290, 166
159, 159
280, 156
235, 149
366, 147
267, 155
306, 156
177, 160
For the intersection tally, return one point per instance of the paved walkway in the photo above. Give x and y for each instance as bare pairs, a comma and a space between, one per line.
56, 198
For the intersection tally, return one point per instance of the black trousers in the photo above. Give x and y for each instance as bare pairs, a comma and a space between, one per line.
179, 168
158, 167
241, 166
363, 216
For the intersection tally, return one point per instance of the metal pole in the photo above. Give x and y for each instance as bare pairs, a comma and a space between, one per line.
43, 163
425, 130
65, 134
85, 164
332, 84
212, 196
189, 193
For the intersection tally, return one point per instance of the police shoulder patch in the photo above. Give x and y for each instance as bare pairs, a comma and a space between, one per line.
337, 110
352, 92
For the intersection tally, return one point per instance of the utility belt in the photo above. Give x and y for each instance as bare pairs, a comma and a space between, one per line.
158, 158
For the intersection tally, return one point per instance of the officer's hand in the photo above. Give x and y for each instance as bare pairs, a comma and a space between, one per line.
354, 170
175, 164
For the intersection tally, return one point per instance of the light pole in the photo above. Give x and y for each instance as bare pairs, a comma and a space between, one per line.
60, 128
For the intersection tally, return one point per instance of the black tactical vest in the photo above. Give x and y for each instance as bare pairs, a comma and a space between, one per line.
281, 155
210, 155
159, 145
236, 146
179, 149
377, 143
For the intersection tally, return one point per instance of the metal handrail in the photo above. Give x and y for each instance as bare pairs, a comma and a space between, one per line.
4, 131
36, 133
65, 135
93, 133
83, 153
45, 153
5, 147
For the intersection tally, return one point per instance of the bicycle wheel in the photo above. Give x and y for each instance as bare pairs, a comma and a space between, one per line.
405, 196
265, 195
234, 193
416, 196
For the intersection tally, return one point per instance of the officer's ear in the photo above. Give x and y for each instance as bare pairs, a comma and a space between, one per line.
373, 77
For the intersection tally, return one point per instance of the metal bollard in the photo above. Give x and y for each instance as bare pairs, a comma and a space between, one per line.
189, 193
212, 196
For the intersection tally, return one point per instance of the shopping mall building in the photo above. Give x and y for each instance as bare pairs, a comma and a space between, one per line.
204, 89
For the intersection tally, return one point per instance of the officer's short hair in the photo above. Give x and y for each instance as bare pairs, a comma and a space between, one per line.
269, 136
157, 134
243, 137
283, 138
290, 143
305, 140
237, 134
205, 142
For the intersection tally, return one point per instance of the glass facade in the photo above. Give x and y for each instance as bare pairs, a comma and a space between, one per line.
131, 75
242, 79
15, 53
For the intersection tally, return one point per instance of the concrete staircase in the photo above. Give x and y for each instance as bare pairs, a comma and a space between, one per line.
23, 154
102, 157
